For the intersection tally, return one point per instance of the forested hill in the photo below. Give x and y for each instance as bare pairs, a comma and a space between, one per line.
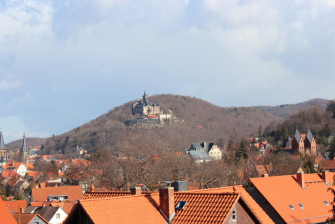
29, 141
287, 110
109, 131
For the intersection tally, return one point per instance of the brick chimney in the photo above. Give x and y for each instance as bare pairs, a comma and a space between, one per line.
135, 191
301, 179
21, 210
325, 177
166, 201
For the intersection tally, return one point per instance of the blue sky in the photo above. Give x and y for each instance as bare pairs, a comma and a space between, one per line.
64, 63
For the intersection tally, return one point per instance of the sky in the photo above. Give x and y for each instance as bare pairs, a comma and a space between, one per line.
64, 63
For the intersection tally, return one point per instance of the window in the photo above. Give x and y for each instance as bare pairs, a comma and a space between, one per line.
233, 217
301, 206
326, 203
291, 207
181, 205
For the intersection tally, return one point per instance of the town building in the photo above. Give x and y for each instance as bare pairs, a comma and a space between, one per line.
53, 215
303, 144
300, 198
169, 205
330, 138
204, 151
62, 193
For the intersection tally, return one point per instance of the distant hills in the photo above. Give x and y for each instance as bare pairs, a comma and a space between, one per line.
29, 141
287, 110
203, 121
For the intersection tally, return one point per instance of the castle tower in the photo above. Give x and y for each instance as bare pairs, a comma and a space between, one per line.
24, 151
3, 151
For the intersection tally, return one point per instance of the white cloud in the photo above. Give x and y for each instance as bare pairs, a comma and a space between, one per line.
23, 19
20, 100
7, 85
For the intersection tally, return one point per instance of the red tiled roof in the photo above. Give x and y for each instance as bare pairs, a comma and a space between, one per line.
34, 174
9, 173
200, 207
128, 209
15, 205
328, 164
289, 192
29, 166
259, 213
6, 216
41, 194
66, 206
105, 194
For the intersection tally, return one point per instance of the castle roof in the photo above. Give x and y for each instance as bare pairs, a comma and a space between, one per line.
309, 135
297, 135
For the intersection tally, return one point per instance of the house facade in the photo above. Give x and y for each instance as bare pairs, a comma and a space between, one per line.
303, 144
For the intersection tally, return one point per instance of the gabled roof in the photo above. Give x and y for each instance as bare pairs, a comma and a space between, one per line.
128, 209
289, 192
26, 218
255, 209
309, 136
41, 194
33, 174
9, 173
46, 212
6, 216
29, 166
328, 164
263, 169
66, 206
200, 207
105, 194
297, 135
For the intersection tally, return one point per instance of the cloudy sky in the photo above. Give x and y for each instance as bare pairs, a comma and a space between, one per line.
64, 63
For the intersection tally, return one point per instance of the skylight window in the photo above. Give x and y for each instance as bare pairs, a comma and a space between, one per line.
301, 206
181, 205
326, 202
292, 208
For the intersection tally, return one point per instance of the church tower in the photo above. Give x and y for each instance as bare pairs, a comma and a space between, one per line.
3, 151
24, 151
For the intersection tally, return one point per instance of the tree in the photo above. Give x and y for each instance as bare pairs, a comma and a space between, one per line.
331, 108
332, 150
54, 168
3, 192
260, 131
242, 150
19, 196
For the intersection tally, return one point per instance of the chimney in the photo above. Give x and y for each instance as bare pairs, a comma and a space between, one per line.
135, 191
21, 210
265, 175
325, 177
166, 201
301, 179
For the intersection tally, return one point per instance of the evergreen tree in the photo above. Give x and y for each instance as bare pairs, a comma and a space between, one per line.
332, 150
260, 131
242, 150
19, 196
279, 149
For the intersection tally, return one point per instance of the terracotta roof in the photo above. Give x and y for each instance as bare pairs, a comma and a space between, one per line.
33, 174
128, 209
26, 218
29, 166
40, 203
66, 206
14, 205
13, 180
289, 192
105, 194
328, 164
6, 216
9, 173
259, 213
41, 194
199, 207
16, 164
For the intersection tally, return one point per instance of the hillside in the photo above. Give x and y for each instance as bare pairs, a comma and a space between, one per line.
287, 110
29, 141
109, 131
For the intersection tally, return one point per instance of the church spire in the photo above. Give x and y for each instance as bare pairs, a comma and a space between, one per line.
2, 143
24, 145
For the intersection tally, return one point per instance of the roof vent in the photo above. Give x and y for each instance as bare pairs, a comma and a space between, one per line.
181, 205
326, 202
301, 206
291, 207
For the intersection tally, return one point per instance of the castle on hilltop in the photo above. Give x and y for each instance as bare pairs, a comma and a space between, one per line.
144, 107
